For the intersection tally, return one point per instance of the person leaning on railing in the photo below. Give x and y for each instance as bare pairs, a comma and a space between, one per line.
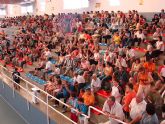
113, 109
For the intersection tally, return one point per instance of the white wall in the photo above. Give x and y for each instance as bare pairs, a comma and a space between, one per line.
148, 6
56, 6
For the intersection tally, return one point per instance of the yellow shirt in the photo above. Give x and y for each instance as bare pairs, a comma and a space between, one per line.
117, 39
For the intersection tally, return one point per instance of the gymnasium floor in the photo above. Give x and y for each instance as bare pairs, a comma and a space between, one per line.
8, 115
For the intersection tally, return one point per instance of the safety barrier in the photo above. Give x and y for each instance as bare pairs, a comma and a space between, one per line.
26, 88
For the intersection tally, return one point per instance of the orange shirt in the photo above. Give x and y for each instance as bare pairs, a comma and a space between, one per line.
149, 66
88, 99
143, 78
136, 87
127, 100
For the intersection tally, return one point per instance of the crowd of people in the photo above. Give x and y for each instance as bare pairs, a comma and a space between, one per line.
98, 50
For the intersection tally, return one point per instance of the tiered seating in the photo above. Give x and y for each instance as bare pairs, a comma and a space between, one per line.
96, 112
67, 78
140, 49
103, 93
36, 79
102, 44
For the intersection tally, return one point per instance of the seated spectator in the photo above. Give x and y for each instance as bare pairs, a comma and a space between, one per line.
65, 92
117, 39
48, 68
58, 87
121, 76
79, 80
56, 71
50, 86
82, 91
137, 107
149, 65
47, 53
88, 97
113, 110
140, 36
106, 57
162, 72
121, 62
116, 91
84, 64
135, 67
69, 64
108, 71
72, 103
81, 109
160, 47
95, 83
129, 95
147, 117
41, 64
157, 34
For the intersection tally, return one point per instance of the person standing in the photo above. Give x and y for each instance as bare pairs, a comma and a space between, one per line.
16, 78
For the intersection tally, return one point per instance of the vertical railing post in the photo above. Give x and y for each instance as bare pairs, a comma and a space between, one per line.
47, 108
13, 89
27, 102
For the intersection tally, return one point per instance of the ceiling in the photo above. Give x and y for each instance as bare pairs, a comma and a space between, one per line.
12, 1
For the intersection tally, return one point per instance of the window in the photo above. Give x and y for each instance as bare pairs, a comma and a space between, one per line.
42, 5
114, 2
2, 12
75, 4
25, 9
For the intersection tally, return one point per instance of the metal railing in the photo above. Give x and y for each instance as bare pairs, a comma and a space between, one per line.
47, 96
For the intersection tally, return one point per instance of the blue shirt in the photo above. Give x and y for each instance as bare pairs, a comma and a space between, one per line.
82, 108
147, 119
73, 103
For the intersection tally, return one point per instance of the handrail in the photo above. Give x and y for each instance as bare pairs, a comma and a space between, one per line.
45, 92
39, 99
91, 107
48, 95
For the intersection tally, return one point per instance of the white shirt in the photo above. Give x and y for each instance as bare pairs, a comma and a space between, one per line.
96, 83
141, 36
79, 79
121, 62
162, 72
131, 53
115, 92
96, 56
156, 34
48, 54
106, 32
57, 71
149, 46
137, 109
106, 57
160, 45
48, 65
116, 110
